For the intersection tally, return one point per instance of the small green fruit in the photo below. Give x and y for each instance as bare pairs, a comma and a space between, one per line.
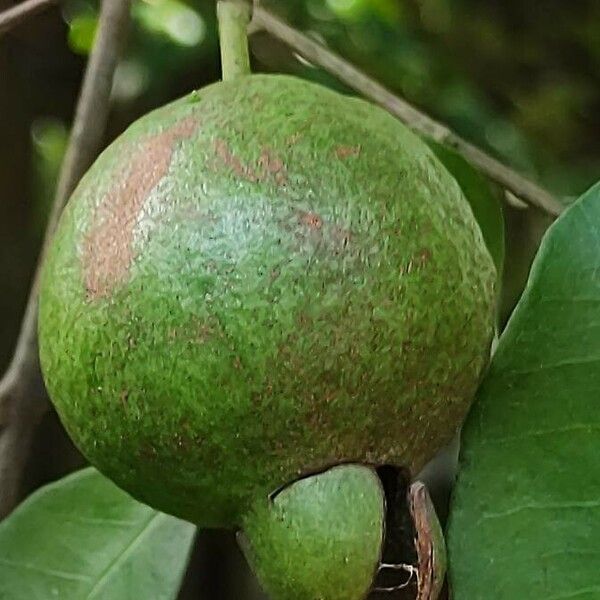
320, 537
256, 282
328, 537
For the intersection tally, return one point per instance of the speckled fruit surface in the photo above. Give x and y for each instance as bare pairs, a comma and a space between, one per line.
320, 537
257, 281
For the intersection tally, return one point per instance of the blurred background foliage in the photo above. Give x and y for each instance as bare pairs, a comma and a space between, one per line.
521, 79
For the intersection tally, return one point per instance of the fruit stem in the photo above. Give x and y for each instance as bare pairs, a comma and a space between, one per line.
234, 16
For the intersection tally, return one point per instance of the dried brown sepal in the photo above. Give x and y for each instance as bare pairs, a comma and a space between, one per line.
429, 543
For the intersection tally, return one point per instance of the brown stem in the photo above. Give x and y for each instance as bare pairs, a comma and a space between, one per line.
517, 184
22, 398
17, 14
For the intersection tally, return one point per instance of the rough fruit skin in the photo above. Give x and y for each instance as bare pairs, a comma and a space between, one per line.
320, 537
255, 282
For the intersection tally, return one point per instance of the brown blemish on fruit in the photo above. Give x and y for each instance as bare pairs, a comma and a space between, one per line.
205, 333
423, 256
199, 331
269, 167
314, 229
343, 152
272, 166
208, 330
310, 219
186, 439
108, 246
293, 139
232, 161
304, 320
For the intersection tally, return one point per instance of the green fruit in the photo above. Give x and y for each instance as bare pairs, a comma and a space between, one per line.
256, 282
321, 537
338, 535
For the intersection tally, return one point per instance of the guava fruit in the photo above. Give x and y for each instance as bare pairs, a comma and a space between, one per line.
255, 283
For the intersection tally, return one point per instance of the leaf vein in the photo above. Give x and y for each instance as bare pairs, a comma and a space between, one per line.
122, 556
572, 362
44, 570
585, 504
582, 427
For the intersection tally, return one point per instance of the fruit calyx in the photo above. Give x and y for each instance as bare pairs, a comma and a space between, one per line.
413, 557
351, 532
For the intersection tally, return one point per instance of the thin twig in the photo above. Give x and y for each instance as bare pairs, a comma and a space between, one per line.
19, 13
22, 398
317, 54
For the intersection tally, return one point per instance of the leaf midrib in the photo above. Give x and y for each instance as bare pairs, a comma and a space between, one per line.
123, 555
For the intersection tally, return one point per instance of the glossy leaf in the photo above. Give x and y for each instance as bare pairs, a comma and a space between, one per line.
485, 204
82, 537
525, 520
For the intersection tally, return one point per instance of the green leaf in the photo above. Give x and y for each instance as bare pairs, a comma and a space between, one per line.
525, 518
84, 538
485, 204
